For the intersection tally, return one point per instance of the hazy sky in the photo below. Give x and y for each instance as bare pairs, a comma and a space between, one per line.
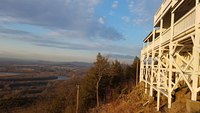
74, 30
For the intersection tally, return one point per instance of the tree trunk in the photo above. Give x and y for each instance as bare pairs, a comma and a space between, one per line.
97, 91
137, 73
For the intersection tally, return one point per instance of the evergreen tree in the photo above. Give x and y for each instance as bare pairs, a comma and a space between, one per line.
95, 83
104, 80
116, 74
88, 91
128, 73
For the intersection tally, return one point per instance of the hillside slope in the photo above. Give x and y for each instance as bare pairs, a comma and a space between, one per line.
139, 102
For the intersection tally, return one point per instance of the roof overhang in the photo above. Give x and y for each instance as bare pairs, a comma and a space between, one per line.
150, 36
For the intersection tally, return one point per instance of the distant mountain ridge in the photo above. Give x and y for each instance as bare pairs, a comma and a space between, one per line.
20, 61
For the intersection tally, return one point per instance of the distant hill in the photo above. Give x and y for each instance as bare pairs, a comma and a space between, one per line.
7, 61
77, 64
15, 61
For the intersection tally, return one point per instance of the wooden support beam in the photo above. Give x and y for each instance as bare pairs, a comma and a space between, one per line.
159, 66
188, 64
182, 74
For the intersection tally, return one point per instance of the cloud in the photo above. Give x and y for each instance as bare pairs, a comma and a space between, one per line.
140, 21
120, 56
115, 4
97, 32
12, 31
73, 44
7, 19
126, 19
142, 12
93, 47
103, 32
72, 16
52, 43
81, 46
51, 13
102, 20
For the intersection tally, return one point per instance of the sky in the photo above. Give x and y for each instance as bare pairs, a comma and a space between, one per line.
74, 30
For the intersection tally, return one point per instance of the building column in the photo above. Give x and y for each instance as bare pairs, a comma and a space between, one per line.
147, 68
141, 66
159, 66
197, 2
195, 75
170, 62
152, 64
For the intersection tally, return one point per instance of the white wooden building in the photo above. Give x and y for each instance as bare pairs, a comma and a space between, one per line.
171, 52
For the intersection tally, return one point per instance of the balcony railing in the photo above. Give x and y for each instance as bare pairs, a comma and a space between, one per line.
150, 45
166, 4
166, 35
158, 14
186, 22
157, 42
162, 8
182, 25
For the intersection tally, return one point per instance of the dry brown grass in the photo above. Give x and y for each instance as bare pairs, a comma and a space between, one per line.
134, 103
131, 103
